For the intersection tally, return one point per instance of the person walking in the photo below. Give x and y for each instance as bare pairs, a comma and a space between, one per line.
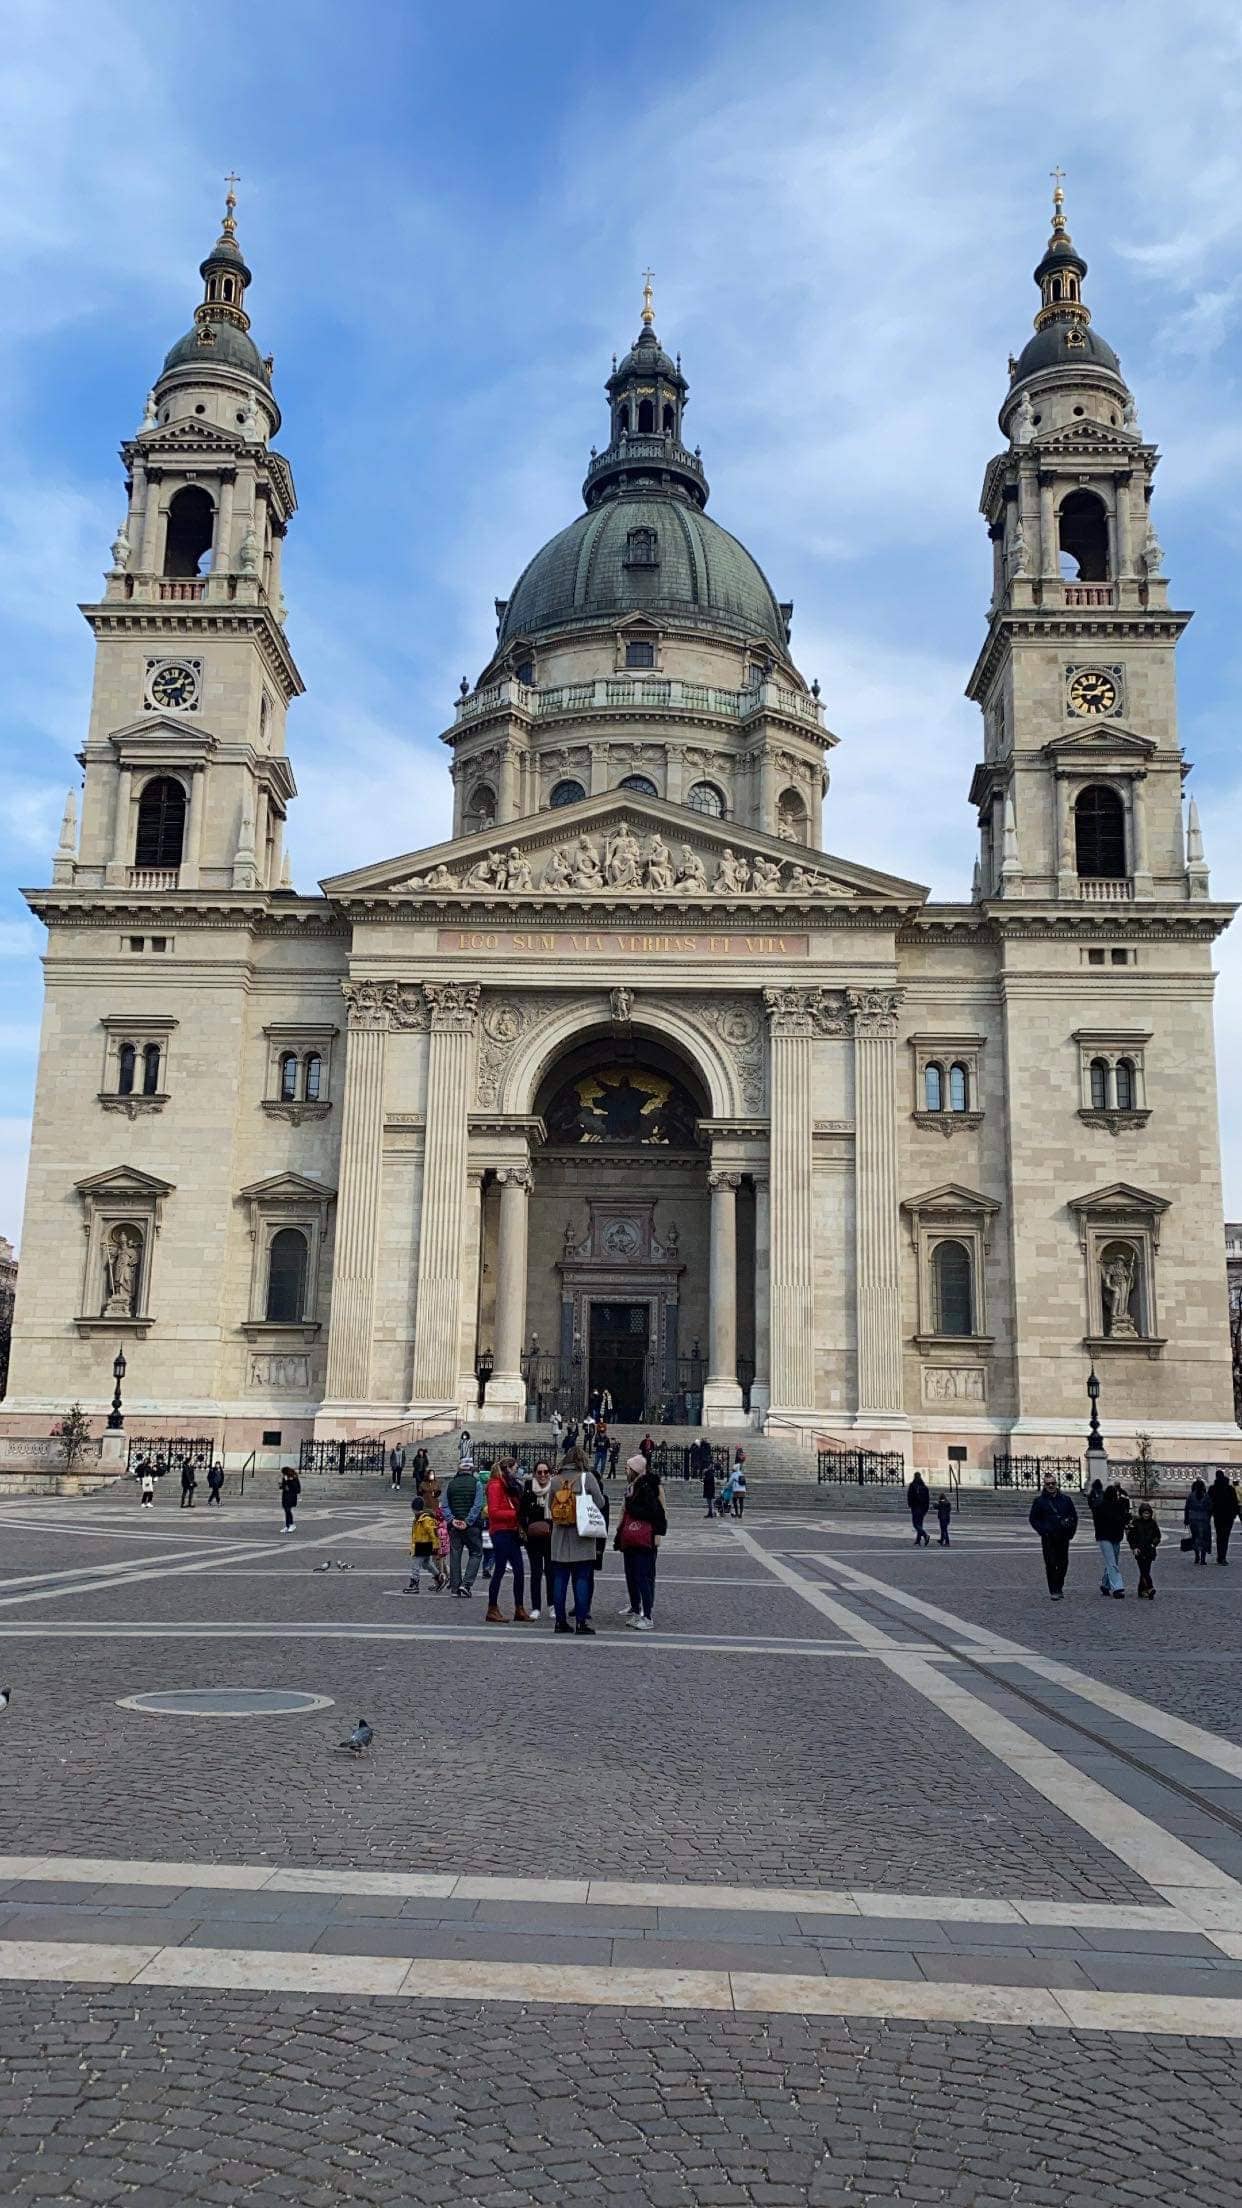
739, 1488
1223, 1503
602, 1449
558, 1428
643, 1526
944, 1514
1143, 1535
146, 1483
575, 1533
189, 1481
461, 1510
646, 1449
424, 1549
396, 1464
918, 1498
465, 1447
420, 1468
290, 1495
1110, 1517
614, 1458
504, 1497
215, 1481
709, 1479
535, 1515
1197, 1519
605, 1405
1055, 1520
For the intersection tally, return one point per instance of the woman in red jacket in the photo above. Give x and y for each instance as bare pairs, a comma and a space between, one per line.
504, 1496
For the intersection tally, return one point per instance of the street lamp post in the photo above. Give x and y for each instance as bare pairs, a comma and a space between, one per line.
1097, 1455
116, 1420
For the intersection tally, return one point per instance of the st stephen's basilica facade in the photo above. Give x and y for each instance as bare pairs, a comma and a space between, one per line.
630, 1084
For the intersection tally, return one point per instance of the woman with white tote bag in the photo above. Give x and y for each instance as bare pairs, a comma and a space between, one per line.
579, 1522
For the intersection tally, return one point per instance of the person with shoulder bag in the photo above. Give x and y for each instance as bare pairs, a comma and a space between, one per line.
535, 1513
504, 1497
644, 1523
578, 1522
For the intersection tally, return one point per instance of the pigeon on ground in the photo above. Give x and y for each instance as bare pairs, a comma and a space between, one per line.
322, 1567
6, 1696
360, 1739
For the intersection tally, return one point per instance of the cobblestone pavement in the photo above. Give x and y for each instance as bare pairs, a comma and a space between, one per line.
772, 1737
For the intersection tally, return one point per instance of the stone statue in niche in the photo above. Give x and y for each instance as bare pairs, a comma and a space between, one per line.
620, 1006
659, 865
122, 1263
1023, 421
1118, 1273
691, 877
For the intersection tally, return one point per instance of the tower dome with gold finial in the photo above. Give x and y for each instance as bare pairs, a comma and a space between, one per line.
220, 338
1064, 337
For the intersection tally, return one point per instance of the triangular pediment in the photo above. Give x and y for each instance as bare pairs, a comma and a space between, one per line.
124, 1180
951, 1196
287, 1188
624, 846
1120, 1196
1095, 741
1084, 436
159, 728
196, 435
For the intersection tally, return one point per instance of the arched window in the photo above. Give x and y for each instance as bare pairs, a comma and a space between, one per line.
191, 517
312, 1077
623, 422
1123, 1077
226, 288
646, 417
1082, 534
151, 1069
1099, 1085
704, 797
568, 792
161, 823
670, 421
480, 810
1100, 833
640, 653
126, 1063
640, 782
642, 548
959, 1088
933, 1089
951, 1288
525, 672
286, 1276
791, 816
288, 1077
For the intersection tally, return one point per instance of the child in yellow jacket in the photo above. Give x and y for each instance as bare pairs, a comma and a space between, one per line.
424, 1549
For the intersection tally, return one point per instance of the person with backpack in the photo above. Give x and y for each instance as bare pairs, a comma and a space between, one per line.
575, 1543
504, 1497
643, 1526
918, 1499
739, 1483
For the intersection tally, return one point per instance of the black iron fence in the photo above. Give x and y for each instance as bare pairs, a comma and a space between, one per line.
860, 1468
343, 1456
1010, 1471
168, 1452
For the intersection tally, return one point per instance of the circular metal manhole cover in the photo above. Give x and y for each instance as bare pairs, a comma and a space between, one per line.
226, 1702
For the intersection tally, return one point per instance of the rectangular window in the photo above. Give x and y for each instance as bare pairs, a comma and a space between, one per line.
1120, 958
159, 942
271, 1439
640, 655
1095, 958
137, 942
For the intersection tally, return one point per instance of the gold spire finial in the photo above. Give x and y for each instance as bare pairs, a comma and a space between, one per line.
1058, 199
231, 181
648, 295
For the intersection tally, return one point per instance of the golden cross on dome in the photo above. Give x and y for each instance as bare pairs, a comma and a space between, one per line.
232, 180
648, 295
1058, 196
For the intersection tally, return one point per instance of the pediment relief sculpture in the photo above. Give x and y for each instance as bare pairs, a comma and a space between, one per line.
620, 860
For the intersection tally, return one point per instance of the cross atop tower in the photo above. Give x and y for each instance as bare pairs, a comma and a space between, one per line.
648, 297
231, 182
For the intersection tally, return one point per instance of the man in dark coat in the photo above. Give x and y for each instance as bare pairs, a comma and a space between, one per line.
1056, 1522
290, 1491
1223, 1502
918, 1496
709, 1480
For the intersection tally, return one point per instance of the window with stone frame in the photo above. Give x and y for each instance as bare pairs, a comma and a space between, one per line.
288, 1225
123, 1210
642, 549
298, 1082
947, 1081
135, 1077
950, 1229
1112, 1076
1119, 1242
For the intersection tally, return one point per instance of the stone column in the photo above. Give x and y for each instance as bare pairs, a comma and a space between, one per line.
722, 1397
1067, 869
1049, 562
1125, 552
222, 559
506, 793
193, 848
601, 763
351, 1325
118, 869
454, 1009
506, 1390
150, 525
1140, 863
766, 820
471, 1248
760, 1393
877, 1263
791, 1028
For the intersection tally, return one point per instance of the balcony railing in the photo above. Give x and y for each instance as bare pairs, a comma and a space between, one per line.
637, 451
154, 877
639, 693
187, 592
1100, 890
1088, 594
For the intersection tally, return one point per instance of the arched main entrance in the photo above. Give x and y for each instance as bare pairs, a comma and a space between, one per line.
618, 1273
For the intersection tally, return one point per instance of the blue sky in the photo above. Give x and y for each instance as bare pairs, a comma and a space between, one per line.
448, 212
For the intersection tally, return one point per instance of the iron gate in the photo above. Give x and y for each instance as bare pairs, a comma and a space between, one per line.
860, 1468
168, 1452
343, 1456
1031, 1471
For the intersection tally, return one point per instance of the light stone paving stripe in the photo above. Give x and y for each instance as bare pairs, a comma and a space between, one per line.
606, 1893
1192, 1882
582, 1986
131, 1573
683, 1644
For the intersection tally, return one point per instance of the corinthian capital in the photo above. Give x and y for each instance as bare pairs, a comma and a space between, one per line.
453, 1005
873, 1011
516, 1176
368, 1004
804, 1012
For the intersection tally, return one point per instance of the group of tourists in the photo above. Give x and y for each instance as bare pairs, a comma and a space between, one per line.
1208, 1515
918, 1498
147, 1473
729, 1499
554, 1523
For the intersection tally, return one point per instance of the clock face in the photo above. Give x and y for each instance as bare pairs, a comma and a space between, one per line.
1093, 692
174, 685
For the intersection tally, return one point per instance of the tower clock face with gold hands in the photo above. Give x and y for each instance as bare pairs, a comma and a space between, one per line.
174, 685
1093, 692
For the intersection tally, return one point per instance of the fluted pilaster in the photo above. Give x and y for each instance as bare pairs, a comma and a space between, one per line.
792, 1017
453, 1008
877, 1264
362, 1140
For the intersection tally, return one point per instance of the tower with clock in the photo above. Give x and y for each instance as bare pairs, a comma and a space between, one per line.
186, 778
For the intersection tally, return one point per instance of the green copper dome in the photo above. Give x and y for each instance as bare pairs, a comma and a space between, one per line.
228, 347
680, 564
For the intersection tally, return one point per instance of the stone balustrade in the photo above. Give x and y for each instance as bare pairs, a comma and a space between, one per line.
643, 694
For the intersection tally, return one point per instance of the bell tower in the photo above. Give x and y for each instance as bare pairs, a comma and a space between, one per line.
1079, 790
186, 778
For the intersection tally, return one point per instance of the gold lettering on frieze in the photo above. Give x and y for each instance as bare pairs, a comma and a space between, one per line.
618, 943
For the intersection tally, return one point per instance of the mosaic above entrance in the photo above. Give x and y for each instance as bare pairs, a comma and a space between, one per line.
623, 1106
